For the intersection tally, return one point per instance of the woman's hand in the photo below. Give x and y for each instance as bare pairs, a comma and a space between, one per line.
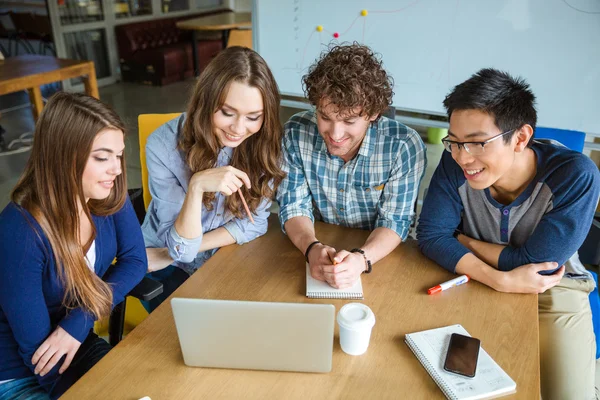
58, 344
226, 180
158, 258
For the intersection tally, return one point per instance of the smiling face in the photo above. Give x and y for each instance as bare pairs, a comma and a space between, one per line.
344, 132
484, 170
241, 115
104, 164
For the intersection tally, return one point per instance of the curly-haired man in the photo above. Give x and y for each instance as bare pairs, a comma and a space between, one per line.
348, 165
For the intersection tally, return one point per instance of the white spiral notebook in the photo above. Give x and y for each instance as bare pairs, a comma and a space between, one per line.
321, 290
430, 348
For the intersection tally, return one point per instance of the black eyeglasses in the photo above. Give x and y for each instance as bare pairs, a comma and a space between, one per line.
473, 148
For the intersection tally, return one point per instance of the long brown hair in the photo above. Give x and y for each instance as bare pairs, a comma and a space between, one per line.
51, 190
259, 155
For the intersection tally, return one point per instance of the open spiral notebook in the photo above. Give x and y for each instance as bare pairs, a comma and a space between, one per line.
430, 348
321, 290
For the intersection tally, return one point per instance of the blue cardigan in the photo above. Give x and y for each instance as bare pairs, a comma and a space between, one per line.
31, 294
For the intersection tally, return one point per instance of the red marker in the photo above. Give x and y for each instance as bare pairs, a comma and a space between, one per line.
447, 285
336, 35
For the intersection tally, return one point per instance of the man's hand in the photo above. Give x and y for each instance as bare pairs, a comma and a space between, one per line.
58, 344
347, 269
525, 279
319, 256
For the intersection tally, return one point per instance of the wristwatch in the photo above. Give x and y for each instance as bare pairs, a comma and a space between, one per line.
367, 261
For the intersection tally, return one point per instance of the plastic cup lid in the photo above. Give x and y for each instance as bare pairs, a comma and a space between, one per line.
356, 316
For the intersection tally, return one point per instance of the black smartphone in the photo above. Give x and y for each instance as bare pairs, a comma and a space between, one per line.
462, 354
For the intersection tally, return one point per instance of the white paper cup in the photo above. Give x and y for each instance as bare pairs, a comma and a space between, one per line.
356, 321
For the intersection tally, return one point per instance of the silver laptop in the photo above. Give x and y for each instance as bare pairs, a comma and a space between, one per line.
255, 335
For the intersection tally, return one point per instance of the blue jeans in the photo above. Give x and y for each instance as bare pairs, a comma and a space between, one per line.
171, 278
90, 352
24, 388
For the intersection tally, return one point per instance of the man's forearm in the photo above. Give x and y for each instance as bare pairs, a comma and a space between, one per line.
301, 232
478, 270
380, 243
489, 253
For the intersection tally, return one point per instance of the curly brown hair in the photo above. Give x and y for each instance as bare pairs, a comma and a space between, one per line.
350, 76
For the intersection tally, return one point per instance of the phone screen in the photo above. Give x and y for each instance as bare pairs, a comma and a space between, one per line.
462, 355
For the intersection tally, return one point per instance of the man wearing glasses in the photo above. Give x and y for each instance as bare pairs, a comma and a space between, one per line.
512, 213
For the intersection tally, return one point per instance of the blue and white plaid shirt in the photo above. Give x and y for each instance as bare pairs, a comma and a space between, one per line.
377, 188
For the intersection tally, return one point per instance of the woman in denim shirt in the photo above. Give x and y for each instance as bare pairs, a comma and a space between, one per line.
229, 140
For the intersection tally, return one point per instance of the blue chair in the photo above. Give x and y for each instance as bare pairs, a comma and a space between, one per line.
595, 305
574, 140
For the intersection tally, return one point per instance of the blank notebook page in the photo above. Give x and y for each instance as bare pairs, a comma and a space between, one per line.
321, 290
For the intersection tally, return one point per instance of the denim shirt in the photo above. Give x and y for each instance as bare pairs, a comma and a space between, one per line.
169, 176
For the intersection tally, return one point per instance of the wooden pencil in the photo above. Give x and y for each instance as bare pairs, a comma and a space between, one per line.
245, 206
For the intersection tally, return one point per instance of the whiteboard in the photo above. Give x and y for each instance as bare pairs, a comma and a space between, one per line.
429, 46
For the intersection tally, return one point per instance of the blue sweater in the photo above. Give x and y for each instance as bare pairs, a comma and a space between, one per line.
547, 222
31, 294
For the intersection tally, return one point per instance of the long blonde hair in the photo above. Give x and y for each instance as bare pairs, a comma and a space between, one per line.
51, 188
259, 155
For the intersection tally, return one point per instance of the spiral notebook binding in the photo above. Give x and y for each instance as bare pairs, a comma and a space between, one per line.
334, 295
429, 368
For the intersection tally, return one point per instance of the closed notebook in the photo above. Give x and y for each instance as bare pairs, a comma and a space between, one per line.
321, 290
430, 348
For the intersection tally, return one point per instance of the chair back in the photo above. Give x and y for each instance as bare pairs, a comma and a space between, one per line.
7, 26
148, 123
574, 140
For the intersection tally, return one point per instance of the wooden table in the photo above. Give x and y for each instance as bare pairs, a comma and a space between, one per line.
148, 361
31, 71
219, 22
